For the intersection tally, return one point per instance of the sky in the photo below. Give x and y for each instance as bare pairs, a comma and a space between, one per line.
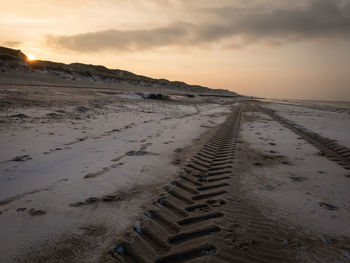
266, 48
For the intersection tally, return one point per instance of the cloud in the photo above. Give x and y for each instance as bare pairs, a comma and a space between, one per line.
232, 26
123, 40
319, 19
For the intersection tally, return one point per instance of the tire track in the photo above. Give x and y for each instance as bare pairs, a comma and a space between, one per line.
179, 226
204, 216
328, 148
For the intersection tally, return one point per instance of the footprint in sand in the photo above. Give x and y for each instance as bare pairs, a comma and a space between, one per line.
136, 153
77, 204
285, 163
95, 174
94, 200
21, 158
110, 198
34, 212
298, 178
144, 146
328, 206
117, 158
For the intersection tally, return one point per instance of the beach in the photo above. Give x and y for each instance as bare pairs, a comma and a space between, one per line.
90, 159
81, 166
175, 131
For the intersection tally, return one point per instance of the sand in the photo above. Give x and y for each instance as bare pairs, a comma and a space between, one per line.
299, 181
87, 173
67, 153
332, 125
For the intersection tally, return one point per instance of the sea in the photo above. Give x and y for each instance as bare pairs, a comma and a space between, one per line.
339, 105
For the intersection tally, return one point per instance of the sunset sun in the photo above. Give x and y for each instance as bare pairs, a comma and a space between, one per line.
31, 57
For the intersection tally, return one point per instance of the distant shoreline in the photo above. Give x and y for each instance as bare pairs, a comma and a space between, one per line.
333, 103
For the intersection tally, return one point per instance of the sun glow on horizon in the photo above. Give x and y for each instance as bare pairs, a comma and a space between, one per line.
31, 57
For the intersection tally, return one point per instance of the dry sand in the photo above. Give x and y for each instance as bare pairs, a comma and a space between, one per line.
80, 166
76, 144
297, 180
333, 125
293, 185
